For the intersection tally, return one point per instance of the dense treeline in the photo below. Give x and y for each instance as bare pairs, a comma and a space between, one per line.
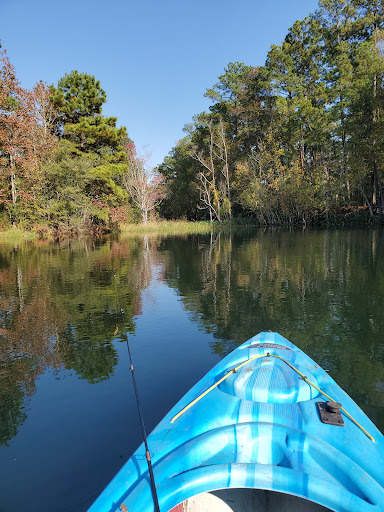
63, 165
298, 138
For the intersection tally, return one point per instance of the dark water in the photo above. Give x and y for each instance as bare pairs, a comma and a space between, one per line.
67, 413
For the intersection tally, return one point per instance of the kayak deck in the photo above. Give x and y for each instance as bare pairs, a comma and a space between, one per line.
253, 423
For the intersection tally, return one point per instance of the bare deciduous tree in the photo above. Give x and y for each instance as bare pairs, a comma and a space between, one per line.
214, 181
45, 112
143, 183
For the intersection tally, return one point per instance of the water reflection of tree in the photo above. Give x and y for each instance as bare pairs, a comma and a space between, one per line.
59, 311
322, 290
27, 341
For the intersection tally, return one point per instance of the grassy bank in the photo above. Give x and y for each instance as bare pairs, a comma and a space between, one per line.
346, 217
173, 227
12, 236
16, 236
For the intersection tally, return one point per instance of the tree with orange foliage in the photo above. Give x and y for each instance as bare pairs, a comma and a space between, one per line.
25, 121
12, 115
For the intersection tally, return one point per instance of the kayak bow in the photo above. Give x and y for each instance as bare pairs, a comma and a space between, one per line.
269, 426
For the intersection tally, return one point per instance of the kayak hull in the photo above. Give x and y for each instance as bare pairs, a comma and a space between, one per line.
257, 428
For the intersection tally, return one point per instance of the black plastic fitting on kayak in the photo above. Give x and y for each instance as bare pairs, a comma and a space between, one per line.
330, 413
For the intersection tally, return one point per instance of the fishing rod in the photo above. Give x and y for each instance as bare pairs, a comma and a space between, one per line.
143, 431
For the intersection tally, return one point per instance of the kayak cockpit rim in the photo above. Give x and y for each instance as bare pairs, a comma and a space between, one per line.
245, 499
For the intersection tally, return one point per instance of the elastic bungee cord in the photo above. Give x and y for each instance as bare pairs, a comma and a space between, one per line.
234, 370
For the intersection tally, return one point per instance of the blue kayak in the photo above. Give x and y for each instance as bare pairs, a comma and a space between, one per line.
266, 429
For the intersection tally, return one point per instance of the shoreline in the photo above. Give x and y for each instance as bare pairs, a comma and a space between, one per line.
175, 227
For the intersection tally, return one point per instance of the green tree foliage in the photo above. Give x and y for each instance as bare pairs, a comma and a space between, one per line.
303, 133
61, 161
227, 94
297, 139
78, 95
93, 146
276, 192
180, 171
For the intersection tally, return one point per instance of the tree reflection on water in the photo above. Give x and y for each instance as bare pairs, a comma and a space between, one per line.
59, 312
323, 290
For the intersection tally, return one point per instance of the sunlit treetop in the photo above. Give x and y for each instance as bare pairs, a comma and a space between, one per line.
78, 95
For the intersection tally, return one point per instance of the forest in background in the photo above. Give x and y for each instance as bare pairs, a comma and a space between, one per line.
65, 167
299, 139
296, 139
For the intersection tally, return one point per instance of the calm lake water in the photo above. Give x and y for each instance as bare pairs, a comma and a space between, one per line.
68, 419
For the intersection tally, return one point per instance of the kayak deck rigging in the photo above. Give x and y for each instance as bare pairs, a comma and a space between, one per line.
256, 388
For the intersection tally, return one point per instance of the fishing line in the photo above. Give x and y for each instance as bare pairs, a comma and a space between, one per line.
143, 431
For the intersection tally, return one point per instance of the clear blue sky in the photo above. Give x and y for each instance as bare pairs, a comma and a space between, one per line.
154, 59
